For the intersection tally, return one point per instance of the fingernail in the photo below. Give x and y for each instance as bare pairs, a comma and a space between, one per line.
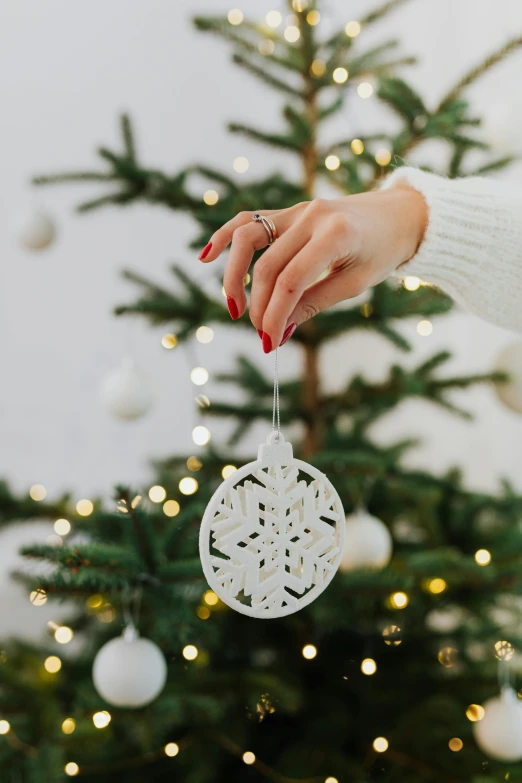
206, 250
260, 333
232, 308
290, 329
267, 343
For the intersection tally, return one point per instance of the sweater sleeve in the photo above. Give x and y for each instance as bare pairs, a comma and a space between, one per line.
472, 248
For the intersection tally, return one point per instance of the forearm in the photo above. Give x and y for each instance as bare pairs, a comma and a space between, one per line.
472, 244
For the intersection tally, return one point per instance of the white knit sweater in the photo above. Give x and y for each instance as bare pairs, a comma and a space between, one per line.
472, 248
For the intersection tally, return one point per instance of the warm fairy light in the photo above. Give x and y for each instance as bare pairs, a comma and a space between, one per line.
475, 712
352, 29
72, 769
204, 334
383, 156
62, 527
157, 493
199, 376
200, 435
203, 612
5, 726
292, 33
84, 507
210, 598
52, 664
202, 400
38, 492
313, 17
365, 90
249, 757
108, 615
188, 485
169, 341
483, 557
411, 283
300, 5
273, 19
94, 601
193, 463
54, 541
340, 75
309, 651
241, 164
171, 508
318, 68
64, 634
380, 744
331, 780
357, 147
447, 657
38, 597
399, 600
171, 749
391, 635
368, 666
235, 16
101, 719
437, 586
504, 651
228, 471
190, 652
266, 47
210, 197
246, 279
455, 744
424, 328
68, 726
332, 163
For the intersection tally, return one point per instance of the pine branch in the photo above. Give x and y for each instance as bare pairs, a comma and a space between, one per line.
381, 11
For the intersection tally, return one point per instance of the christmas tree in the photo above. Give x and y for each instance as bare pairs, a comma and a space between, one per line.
383, 676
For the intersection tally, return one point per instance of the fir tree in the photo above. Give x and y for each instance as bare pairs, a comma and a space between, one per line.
251, 689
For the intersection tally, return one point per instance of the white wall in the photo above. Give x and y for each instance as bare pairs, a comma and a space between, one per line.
66, 70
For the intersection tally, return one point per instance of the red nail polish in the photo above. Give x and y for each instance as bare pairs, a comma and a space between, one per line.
206, 250
260, 333
232, 308
288, 333
267, 343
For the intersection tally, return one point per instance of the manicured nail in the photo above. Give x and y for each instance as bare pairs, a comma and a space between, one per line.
260, 333
232, 308
206, 250
290, 329
267, 343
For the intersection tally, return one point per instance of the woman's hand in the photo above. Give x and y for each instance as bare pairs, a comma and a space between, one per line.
358, 240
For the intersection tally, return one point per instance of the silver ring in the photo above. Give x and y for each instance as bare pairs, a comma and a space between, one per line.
268, 225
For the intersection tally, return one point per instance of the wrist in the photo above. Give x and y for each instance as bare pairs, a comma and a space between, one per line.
414, 218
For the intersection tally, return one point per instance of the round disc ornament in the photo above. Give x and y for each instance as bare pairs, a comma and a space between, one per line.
272, 534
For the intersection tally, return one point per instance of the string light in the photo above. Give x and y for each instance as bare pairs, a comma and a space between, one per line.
101, 719
455, 744
249, 757
68, 726
188, 485
411, 283
38, 492
383, 156
391, 635
202, 400
193, 463
380, 744
266, 47
483, 557
352, 29
246, 279
399, 600
72, 769
318, 68
273, 19
52, 664
84, 507
357, 147
62, 527
169, 341
210, 598
38, 597
171, 508
475, 712
299, 5
199, 376
331, 780
190, 652
204, 334
235, 16
292, 33
447, 656
210, 197
228, 471
203, 612
5, 726
368, 666
241, 164
313, 17
437, 586
504, 651
424, 328
94, 601
332, 163
171, 749
200, 435
340, 75
309, 651
365, 90
157, 493
64, 634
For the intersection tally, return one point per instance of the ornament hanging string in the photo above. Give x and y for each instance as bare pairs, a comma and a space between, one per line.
275, 412
131, 605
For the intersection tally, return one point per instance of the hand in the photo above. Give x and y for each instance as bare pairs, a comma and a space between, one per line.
358, 240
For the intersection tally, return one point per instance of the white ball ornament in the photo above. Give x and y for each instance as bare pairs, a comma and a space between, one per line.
499, 733
368, 542
129, 671
509, 361
36, 231
126, 392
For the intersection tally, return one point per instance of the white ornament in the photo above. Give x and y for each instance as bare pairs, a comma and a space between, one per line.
272, 534
36, 231
129, 671
499, 733
509, 361
126, 392
368, 542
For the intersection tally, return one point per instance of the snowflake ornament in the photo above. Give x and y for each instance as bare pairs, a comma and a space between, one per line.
272, 534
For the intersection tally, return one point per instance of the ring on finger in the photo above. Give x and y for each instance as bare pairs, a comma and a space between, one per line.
268, 225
